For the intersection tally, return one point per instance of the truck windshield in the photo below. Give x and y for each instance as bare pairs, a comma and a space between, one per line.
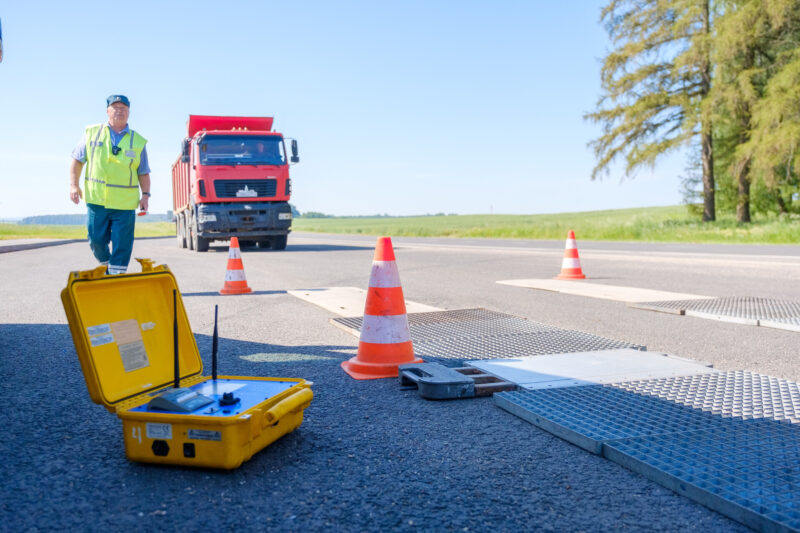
241, 150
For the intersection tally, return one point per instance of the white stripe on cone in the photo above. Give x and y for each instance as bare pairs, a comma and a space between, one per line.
571, 244
234, 253
389, 329
384, 274
571, 262
234, 275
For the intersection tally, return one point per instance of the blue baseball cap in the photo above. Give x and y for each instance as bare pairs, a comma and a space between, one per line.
114, 98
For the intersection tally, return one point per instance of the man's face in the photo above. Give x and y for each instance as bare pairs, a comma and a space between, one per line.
118, 113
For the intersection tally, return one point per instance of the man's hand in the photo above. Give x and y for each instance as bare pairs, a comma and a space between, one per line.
143, 202
75, 194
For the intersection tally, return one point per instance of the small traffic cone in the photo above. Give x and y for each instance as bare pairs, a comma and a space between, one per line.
571, 264
235, 282
385, 340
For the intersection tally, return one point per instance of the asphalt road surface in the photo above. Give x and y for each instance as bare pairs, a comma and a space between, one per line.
368, 456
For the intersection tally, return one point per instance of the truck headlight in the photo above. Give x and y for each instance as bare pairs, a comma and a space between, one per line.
284, 216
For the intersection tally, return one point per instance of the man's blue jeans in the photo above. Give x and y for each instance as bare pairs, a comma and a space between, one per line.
114, 226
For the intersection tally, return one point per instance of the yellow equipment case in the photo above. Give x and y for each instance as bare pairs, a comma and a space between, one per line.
133, 337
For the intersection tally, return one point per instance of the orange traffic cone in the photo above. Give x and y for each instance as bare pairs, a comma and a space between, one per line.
571, 264
385, 340
235, 282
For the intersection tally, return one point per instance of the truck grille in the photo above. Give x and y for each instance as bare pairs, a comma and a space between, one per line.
230, 188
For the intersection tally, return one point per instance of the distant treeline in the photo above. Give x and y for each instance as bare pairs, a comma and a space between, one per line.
80, 220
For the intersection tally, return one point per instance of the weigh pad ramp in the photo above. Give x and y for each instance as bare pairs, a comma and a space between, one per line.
782, 314
452, 337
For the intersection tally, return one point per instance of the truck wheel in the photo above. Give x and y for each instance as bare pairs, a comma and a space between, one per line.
279, 242
264, 245
200, 243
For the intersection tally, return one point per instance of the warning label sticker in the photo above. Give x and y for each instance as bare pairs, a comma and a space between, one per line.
131, 345
99, 330
158, 431
102, 339
204, 434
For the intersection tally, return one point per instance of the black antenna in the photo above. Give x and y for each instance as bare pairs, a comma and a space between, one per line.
175, 337
214, 347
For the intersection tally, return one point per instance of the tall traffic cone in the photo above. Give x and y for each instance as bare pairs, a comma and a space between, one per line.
571, 264
235, 282
385, 340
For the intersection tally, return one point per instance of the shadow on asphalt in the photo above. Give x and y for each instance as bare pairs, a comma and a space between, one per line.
216, 293
295, 248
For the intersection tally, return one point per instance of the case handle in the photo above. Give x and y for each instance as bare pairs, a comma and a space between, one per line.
299, 399
147, 264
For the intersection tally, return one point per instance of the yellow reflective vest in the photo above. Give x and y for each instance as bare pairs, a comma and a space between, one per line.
112, 180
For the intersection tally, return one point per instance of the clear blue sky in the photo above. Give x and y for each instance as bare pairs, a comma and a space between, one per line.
403, 108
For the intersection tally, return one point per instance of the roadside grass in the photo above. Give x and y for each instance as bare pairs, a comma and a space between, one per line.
653, 224
34, 231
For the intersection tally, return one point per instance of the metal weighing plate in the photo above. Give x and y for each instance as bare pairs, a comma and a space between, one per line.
589, 368
736, 393
452, 337
740, 309
749, 471
456, 323
592, 415
457, 350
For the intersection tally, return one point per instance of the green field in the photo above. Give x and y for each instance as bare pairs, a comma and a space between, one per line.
33, 231
656, 224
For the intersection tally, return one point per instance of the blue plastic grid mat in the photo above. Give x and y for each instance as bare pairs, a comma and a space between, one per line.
730, 394
591, 415
747, 471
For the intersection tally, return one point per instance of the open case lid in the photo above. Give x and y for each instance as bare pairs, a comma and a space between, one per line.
122, 327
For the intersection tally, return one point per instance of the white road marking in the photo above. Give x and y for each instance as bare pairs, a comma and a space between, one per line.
348, 301
596, 290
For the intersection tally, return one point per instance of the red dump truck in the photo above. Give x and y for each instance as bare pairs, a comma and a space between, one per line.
232, 179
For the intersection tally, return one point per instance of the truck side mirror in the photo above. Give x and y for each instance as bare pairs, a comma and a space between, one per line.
185, 150
295, 158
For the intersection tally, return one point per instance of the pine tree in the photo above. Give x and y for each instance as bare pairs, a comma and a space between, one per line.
774, 144
655, 82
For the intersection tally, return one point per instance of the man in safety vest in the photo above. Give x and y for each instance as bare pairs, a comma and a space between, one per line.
117, 167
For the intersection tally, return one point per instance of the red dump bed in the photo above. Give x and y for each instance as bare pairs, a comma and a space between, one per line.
208, 122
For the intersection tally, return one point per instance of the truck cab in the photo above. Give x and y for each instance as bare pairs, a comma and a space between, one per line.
232, 179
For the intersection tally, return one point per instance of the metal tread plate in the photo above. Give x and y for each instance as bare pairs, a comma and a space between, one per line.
747, 470
457, 323
744, 309
514, 345
591, 415
729, 394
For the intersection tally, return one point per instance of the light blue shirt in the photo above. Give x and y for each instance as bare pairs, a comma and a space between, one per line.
79, 152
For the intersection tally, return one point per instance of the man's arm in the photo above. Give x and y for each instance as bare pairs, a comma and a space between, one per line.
75, 168
144, 183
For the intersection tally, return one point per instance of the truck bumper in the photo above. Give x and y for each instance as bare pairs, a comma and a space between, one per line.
252, 220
